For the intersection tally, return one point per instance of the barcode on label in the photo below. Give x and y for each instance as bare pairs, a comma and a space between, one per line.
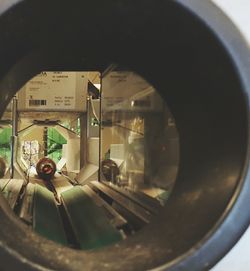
37, 102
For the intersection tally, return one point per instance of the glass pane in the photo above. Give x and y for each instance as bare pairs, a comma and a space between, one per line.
140, 142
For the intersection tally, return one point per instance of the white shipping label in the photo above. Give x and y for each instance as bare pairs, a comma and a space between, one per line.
51, 90
124, 90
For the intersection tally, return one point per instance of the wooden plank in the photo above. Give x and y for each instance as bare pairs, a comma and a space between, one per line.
152, 205
88, 221
26, 212
46, 217
115, 218
12, 190
3, 183
125, 202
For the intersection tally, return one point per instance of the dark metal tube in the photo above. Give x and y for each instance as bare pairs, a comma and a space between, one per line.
14, 135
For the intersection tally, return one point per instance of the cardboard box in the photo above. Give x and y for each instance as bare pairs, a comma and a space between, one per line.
55, 91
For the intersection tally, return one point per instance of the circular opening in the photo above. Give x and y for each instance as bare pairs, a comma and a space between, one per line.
181, 57
99, 151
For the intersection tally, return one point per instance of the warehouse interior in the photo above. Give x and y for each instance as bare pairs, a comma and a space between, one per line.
100, 179
88, 158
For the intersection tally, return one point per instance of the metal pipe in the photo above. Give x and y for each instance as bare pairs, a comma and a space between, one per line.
88, 117
45, 141
14, 135
100, 132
